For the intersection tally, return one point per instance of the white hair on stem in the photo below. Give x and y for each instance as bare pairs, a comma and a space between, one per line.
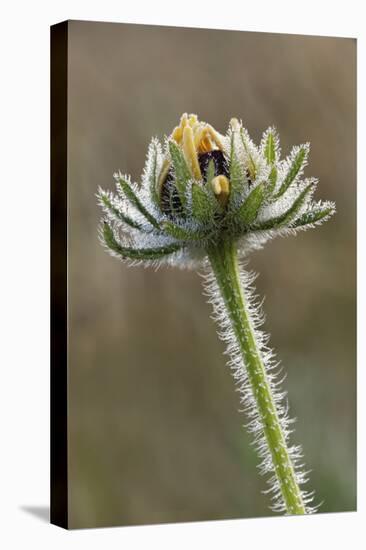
247, 398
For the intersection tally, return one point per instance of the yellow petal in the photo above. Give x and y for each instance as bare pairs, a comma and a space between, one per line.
177, 134
214, 136
221, 188
190, 152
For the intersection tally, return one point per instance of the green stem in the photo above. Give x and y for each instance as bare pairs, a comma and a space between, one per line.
224, 262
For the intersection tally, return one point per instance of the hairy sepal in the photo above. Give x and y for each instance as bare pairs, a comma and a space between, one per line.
293, 168
181, 171
112, 242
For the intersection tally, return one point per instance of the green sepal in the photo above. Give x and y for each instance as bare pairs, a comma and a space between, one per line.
236, 176
313, 216
117, 213
251, 163
286, 217
182, 233
210, 173
135, 201
204, 203
153, 178
248, 211
272, 180
270, 148
295, 167
136, 253
181, 171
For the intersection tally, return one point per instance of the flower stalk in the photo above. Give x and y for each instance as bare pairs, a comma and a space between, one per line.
224, 262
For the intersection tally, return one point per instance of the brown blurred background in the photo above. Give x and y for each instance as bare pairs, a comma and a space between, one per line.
154, 431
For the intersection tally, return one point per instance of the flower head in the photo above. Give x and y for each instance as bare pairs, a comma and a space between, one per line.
200, 187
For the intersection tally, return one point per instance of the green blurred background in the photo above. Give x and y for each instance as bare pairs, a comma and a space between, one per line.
154, 432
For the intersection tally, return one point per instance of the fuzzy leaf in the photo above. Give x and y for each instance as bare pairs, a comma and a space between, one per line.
204, 204
297, 164
313, 216
183, 233
112, 209
133, 198
270, 148
247, 144
135, 253
153, 175
236, 177
181, 170
248, 211
272, 180
287, 216
210, 173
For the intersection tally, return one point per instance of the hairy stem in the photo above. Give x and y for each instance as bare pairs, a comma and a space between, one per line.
224, 262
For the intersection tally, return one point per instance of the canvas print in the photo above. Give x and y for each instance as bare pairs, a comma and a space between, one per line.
194, 173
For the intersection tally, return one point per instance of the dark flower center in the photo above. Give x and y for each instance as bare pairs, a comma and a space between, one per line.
170, 201
221, 168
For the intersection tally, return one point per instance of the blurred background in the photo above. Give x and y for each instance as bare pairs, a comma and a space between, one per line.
154, 432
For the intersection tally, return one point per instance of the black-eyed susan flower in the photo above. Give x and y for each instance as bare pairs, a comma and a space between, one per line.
206, 200
200, 187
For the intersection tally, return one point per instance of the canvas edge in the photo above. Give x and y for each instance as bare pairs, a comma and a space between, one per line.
58, 359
